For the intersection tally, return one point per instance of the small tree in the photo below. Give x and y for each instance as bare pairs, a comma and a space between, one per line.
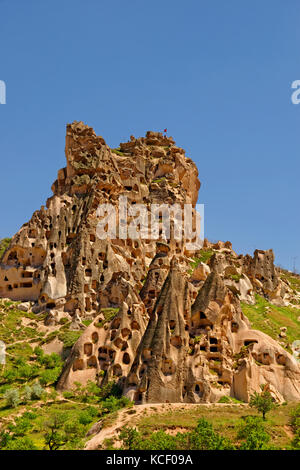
263, 402
55, 437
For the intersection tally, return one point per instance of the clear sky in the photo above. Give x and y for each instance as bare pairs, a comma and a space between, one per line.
216, 73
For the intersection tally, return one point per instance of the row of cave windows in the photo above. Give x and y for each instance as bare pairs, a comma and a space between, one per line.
13, 256
25, 274
197, 388
32, 233
103, 361
26, 285
106, 356
121, 344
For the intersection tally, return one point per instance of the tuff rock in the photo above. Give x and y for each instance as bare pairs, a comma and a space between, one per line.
165, 328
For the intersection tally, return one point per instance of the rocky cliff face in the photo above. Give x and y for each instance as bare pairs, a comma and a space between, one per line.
166, 323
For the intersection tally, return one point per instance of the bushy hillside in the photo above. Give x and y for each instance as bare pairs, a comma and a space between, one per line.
4, 243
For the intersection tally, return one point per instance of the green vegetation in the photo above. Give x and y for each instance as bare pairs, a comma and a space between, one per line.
12, 327
4, 244
197, 339
51, 427
263, 402
12, 397
254, 435
235, 277
109, 313
226, 420
159, 180
250, 433
226, 399
203, 257
295, 424
293, 279
37, 418
203, 437
69, 338
231, 426
118, 151
268, 318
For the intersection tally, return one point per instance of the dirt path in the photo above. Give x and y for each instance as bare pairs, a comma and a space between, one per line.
130, 416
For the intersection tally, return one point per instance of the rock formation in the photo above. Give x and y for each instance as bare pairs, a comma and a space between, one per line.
166, 322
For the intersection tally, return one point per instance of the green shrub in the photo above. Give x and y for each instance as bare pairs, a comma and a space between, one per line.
197, 339
30, 415
224, 399
67, 394
50, 361
254, 433
36, 391
10, 375
69, 338
21, 427
92, 411
4, 244
27, 371
117, 151
203, 257
205, 438
27, 393
85, 418
50, 376
263, 402
295, 424
111, 404
23, 443
12, 397
227, 399
110, 389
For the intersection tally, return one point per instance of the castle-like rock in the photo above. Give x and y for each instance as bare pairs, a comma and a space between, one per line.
165, 328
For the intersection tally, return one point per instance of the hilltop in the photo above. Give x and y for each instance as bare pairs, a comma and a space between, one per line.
164, 319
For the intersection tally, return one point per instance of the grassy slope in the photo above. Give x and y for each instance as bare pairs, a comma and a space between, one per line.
270, 320
4, 243
21, 334
225, 420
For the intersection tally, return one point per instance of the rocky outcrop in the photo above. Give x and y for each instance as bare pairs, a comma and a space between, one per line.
57, 259
165, 321
265, 362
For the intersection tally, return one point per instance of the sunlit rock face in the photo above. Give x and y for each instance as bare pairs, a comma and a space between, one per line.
165, 322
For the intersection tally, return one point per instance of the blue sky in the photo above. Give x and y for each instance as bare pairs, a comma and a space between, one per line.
217, 74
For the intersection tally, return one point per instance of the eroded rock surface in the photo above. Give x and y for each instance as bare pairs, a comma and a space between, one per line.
166, 322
